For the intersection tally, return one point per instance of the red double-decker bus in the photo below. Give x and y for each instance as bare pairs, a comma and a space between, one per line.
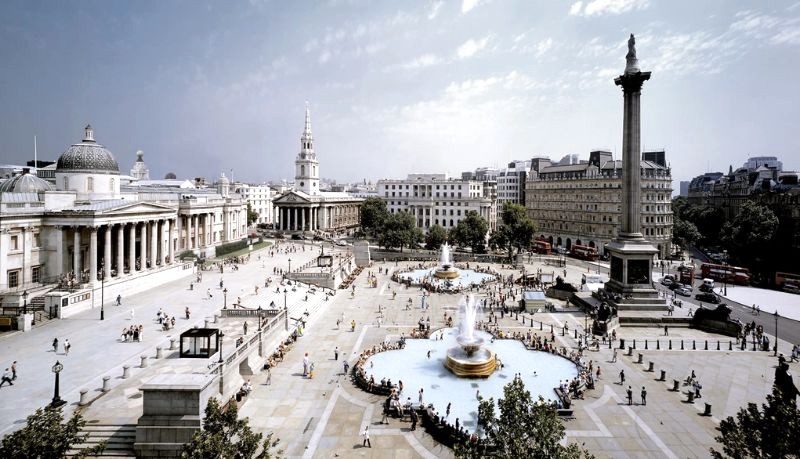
726, 273
583, 252
542, 247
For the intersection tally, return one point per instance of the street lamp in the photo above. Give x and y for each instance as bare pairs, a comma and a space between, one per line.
25, 301
57, 401
225, 298
102, 293
776, 333
290, 265
221, 335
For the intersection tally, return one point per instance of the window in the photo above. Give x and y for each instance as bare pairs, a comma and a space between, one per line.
15, 242
90, 184
111, 185
302, 170
13, 278
36, 274
66, 183
36, 240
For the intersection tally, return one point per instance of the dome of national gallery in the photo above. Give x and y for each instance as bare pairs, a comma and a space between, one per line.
87, 156
25, 183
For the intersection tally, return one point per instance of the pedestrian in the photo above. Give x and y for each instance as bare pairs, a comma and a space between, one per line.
666, 330
621, 377
187, 312
644, 396
630, 395
386, 404
14, 370
346, 367
55, 345
305, 364
447, 413
269, 376
366, 437
414, 419
6, 378
66, 346
336, 353
598, 372
614, 357
245, 327
119, 300
133, 314
420, 396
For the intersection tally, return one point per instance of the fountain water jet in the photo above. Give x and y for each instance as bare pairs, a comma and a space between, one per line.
470, 359
446, 270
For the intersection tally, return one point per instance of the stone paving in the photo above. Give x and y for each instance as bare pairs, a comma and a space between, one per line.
323, 417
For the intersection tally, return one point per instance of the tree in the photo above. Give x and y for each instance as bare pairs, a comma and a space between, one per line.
399, 230
498, 240
225, 435
373, 214
684, 233
518, 229
46, 436
524, 428
748, 236
252, 215
766, 433
471, 232
707, 219
436, 236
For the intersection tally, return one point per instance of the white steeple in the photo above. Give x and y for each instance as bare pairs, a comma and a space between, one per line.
306, 175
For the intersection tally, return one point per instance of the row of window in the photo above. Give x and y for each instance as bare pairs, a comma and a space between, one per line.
89, 184
15, 241
14, 276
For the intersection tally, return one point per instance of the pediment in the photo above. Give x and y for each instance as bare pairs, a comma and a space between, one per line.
291, 198
138, 208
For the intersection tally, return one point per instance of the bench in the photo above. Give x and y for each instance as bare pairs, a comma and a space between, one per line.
5, 323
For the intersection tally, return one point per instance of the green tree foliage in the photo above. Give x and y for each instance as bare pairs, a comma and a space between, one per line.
373, 215
517, 229
471, 232
436, 236
498, 240
748, 236
684, 233
399, 230
770, 432
707, 219
47, 436
224, 435
252, 215
523, 428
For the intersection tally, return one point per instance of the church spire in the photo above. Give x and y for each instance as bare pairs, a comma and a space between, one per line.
307, 130
307, 140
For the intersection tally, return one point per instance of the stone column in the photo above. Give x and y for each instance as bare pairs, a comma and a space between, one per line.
76, 252
302, 219
153, 243
107, 252
143, 247
188, 233
163, 242
120, 250
170, 241
58, 266
132, 249
92, 255
179, 227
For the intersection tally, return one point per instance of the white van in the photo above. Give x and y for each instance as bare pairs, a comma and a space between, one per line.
708, 285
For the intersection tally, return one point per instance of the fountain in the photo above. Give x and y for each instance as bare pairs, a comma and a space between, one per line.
446, 270
470, 359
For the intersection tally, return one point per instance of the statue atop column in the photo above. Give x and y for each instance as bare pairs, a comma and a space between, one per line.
632, 63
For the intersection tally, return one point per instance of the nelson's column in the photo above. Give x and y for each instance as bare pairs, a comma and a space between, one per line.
631, 254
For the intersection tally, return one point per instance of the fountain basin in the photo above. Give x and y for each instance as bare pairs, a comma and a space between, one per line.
449, 273
471, 362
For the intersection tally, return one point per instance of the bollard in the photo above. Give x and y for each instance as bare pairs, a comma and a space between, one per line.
663, 376
551, 328
563, 331
159, 352
634, 344
172, 345
84, 399
609, 344
730, 345
630, 350
541, 324
144, 361
205, 321
691, 397
106, 385
645, 345
694, 345
650, 367
706, 347
622, 344
707, 411
126, 372
675, 385
717, 344
670, 345
576, 333
681, 344
658, 345
216, 317
639, 360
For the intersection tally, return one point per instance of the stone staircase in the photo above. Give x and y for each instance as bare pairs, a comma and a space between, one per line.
119, 438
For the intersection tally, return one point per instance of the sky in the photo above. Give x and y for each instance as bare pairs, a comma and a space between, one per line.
395, 87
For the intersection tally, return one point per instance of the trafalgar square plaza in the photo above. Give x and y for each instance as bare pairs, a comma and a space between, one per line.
163, 306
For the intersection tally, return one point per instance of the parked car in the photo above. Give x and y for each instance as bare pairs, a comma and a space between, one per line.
708, 297
675, 286
791, 288
683, 291
666, 281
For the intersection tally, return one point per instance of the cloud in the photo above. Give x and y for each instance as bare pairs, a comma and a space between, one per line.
435, 7
469, 5
603, 7
763, 27
470, 47
325, 56
426, 60
543, 46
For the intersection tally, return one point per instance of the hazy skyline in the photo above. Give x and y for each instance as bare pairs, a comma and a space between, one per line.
396, 87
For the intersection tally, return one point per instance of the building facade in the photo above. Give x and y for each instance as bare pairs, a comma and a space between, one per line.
259, 197
435, 199
89, 228
511, 183
580, 203
306, 207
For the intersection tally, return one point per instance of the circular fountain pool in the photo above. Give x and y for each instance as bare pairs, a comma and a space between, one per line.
466, 277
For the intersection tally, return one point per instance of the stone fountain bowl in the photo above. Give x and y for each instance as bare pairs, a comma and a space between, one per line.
470, 345
446, 273
480, 363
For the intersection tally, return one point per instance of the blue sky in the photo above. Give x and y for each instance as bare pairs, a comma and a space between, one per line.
396, 87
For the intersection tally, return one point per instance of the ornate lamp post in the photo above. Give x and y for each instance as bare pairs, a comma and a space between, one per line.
57, 401
221, 335
25, 302
225, 298
776, 333
290, 265
102, 292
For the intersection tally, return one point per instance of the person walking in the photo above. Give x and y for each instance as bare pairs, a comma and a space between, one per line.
414, 419
644, 396
245, 327
621, 377
365, 434
6, 378
269, 377
55, 345
119, 300
66, 346
614, 357
630, 395
14, 370
346, 367
336, 353
133, 313
305, 364
666, 330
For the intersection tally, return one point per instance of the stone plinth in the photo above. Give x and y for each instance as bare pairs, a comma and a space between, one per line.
173, 408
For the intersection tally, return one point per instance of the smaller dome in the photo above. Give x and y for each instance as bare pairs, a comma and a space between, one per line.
25, 183
170, 176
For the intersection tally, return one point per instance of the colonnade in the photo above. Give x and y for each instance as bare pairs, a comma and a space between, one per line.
326, 217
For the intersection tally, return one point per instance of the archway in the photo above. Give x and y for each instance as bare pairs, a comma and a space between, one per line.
558, 243
578, 242
569, 243
591, 243
550, 240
